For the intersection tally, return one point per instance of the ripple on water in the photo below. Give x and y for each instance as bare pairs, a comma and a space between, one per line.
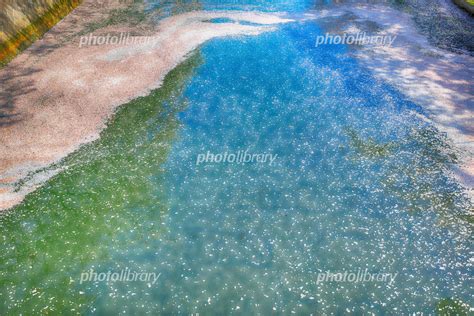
359, 182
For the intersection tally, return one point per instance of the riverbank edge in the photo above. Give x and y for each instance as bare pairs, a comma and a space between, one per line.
33, 177
99, 80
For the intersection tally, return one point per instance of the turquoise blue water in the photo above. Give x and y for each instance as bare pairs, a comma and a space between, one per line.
167, 7
256, 236
360, 182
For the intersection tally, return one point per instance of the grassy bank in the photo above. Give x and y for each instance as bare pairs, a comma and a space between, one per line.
24, 37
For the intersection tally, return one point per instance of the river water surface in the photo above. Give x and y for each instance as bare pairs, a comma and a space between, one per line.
360, 183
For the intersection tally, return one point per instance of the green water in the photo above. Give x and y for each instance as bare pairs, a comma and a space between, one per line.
82, 214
